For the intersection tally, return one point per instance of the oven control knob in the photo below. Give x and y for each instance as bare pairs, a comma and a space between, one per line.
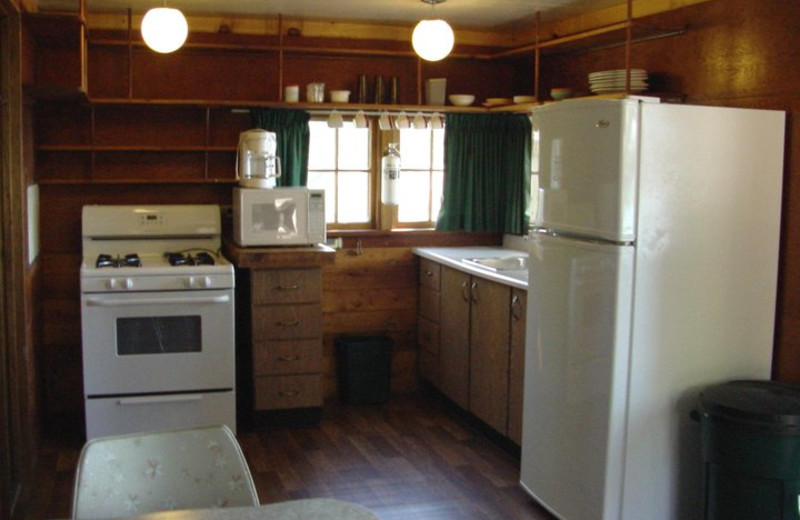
116, 284
199, 282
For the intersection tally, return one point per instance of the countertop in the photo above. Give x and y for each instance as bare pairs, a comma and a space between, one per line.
278, 257
454, 257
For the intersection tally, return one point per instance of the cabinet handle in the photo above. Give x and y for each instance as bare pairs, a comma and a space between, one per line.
515, 308
429, 274
473, 291
293, 287
292, 323
464, 294
288, 358
289, 393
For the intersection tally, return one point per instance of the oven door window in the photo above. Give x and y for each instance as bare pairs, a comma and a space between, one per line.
159, 335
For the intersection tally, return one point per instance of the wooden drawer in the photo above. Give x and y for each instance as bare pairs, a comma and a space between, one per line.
428, 335
429, 303
271, 286
271, 322
429, 274
302, 356
280, 392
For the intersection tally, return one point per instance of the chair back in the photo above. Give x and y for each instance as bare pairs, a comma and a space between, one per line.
156, 471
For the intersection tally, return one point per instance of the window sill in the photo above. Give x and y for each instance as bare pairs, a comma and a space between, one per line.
351, 238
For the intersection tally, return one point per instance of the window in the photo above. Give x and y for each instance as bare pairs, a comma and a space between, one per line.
422, 159
339, 162
346, 162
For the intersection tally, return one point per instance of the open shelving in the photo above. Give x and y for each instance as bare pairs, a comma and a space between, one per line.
164, 156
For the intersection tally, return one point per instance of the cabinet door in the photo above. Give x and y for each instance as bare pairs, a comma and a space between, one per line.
454, 336
489, 340
516, 369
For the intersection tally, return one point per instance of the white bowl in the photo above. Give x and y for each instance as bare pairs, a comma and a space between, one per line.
524, 99
340, 96
461, 100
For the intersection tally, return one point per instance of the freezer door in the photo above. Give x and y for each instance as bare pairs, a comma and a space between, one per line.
587, 168
576, 374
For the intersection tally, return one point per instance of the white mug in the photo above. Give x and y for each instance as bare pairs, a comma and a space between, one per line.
401, 121
384, 123
419, 121
436, 121
360, 120
335, 120
291, 93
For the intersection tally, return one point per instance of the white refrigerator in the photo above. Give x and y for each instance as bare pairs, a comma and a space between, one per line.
653, 268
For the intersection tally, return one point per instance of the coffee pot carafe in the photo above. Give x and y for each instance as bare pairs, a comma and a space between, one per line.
257, 166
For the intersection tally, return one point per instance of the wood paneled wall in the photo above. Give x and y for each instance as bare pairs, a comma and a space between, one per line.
738, 53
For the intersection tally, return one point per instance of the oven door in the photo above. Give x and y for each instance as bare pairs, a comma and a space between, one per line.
156, 342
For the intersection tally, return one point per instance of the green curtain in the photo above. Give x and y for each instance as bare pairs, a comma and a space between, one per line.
487, 173
291, 127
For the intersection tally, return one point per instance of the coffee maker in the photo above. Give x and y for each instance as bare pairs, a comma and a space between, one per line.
257, 166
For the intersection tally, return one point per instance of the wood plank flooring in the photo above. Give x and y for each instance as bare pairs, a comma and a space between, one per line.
407, 459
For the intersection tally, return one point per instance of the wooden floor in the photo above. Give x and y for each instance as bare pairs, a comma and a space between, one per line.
408, 459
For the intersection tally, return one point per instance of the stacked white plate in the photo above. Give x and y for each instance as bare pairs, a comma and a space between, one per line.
608, 81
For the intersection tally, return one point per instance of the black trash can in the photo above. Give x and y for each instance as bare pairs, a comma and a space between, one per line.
364, 368
751, 450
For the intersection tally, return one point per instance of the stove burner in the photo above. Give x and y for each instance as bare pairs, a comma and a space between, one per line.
130, 260
178, 259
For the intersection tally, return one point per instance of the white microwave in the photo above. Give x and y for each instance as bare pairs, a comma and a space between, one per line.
278, 216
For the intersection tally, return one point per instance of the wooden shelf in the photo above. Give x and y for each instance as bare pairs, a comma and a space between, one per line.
133, 148
94, 180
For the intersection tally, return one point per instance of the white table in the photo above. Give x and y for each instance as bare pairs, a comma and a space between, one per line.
307, 509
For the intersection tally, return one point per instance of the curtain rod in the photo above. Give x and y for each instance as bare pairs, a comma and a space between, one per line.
350, 111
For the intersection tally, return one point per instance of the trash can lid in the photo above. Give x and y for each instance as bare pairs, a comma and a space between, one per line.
768, 403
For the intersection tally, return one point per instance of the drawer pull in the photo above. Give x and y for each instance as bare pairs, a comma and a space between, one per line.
291, 323
289, 393
293, 287
429, 274
288, 358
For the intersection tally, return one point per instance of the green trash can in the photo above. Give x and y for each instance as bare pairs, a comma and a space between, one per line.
751, 450
364, 368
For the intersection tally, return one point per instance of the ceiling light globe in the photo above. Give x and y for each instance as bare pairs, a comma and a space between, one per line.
164, 29
432, 39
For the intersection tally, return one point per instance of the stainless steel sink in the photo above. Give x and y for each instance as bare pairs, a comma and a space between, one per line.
512, 263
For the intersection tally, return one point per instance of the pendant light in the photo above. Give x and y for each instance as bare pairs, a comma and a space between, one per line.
432, 39
164, 29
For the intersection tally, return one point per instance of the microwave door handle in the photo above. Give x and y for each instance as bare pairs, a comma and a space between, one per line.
104, 302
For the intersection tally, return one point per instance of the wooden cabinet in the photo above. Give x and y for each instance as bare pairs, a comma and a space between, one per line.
488, 352
516, 363
471, 334
454, 337
428, 335
286, 338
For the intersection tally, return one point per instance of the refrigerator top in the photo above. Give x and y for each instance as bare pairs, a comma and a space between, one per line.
586, 156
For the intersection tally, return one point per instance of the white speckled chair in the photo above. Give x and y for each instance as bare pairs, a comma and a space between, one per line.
157, 471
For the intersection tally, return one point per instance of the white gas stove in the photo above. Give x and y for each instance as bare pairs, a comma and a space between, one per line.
157, 307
